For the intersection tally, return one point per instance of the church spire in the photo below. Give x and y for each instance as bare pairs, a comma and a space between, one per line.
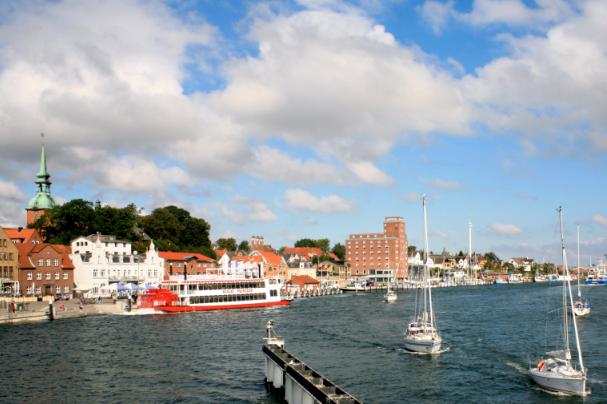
43, 174
42, 200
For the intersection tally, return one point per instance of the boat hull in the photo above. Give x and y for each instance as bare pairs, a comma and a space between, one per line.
422, 346
572, 385
190, 308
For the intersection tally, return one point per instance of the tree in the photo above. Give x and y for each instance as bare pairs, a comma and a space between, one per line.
173, 229
339, 250
244, 246
492, 261
323, 244
305, 242
63, 223
226, 243
411, 250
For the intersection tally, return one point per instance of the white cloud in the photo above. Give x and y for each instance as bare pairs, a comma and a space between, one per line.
248, 209
341, 83
273, 164
516, 12
506, 229
12, 203
552, 86
439, 234
437, 14
412, 197
600, 219
449, 185
299, 199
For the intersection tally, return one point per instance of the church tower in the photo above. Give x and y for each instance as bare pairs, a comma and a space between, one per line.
43, 200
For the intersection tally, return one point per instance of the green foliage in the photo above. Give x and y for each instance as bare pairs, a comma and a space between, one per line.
226, 243
63, 223
244, 246
339, 250
305, 242
322, 243
173, 229
411, 250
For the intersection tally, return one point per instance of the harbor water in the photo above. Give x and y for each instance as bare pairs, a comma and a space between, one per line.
491, 333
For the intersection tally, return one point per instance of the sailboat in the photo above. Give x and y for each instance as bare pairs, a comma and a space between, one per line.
390, 296
422, 332
556, 372
581, 306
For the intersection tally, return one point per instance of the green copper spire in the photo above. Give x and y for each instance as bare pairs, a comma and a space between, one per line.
42, 173
43, 198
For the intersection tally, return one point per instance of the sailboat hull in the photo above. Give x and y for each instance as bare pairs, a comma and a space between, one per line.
574, 384
425, 345
581, 311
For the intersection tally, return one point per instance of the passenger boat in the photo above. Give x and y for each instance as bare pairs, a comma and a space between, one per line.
214, 292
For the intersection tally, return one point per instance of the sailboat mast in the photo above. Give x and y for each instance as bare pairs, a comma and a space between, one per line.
469, 248
427, 269
579, 292
568, 280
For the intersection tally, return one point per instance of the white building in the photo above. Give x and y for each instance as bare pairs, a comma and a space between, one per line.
100, 261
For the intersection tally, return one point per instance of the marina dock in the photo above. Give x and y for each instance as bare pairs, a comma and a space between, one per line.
293, 380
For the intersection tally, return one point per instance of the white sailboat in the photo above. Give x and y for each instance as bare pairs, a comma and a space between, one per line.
390, 296
581, 306
422, 332
556, 372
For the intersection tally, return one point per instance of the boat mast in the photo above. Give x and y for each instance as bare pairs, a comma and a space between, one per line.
568, 280
469, 248
427, 269
579, 291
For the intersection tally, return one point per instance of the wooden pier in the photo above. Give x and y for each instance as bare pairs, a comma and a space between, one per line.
294, 381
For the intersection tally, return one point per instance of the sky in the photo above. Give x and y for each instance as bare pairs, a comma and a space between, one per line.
317, 118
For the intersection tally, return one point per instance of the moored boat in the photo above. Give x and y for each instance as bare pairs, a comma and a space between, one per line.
215, 292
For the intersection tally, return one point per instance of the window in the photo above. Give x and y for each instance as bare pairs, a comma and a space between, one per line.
48, 276
29, 276
48, 262
103, 273
94, 273
39, 276
57, 276
56, 262
66, 289
40, 262
65, 275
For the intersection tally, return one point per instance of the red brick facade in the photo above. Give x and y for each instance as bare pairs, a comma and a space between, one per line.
368, 252
45, 270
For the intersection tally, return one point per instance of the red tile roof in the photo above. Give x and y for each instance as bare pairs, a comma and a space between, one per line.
248, 258
181, 256
271, 258
303, 280
220, 253
23, 234
303, 251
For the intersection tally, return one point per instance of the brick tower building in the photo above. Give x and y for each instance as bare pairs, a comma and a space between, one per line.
369, 252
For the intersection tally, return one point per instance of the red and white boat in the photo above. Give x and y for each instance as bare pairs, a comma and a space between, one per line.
213, 292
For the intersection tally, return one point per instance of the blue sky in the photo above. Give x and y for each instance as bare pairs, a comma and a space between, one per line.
317, 118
